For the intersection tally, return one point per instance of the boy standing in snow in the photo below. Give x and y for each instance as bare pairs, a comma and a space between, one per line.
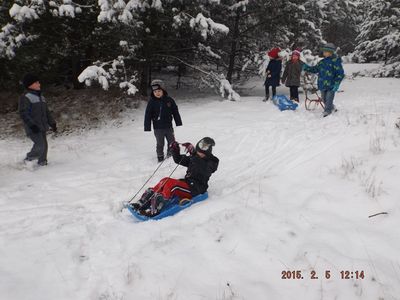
273, 72
200, 165
36, 117
291, 75
330, 75
161, 109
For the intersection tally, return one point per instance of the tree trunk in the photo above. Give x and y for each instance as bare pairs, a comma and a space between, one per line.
76, 69
145, 77
232, 55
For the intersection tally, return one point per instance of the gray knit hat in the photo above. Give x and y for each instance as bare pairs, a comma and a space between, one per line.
157, 84
329, 47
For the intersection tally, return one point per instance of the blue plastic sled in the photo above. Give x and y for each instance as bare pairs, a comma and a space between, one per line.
170, 209
284, 103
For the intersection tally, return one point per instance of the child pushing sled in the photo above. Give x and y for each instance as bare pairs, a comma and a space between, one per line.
200, 163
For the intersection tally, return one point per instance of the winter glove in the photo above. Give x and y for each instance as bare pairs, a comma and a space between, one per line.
336, 87
35, 128
174, 147
189, 148
54, 127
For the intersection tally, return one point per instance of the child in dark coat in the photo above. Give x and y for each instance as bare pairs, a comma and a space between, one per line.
291, 75
273, 72
160, 110
36, 117
200, 165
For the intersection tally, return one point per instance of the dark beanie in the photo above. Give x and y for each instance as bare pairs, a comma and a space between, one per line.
29, 79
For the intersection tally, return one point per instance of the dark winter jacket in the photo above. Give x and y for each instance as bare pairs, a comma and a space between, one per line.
291, 75
34, 111
330, 72
274, 68
161, 111
199, 170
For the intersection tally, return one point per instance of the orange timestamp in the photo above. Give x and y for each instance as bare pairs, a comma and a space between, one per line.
327, 274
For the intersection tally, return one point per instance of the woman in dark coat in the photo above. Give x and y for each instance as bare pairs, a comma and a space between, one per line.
291, 75
273, 72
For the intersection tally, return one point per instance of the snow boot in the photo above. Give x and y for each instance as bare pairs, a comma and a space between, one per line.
157, 204
326, 113
26, 159
160, 158
144, 201
42, 163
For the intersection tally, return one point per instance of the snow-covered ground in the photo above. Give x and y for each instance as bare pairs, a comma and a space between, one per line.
293, 192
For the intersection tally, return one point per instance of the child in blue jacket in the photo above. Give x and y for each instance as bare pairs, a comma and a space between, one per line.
330, 75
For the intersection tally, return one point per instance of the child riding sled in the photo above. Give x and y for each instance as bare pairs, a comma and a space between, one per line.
201, 163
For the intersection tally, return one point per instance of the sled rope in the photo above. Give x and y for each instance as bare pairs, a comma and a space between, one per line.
152, 198
155, 171
152, 175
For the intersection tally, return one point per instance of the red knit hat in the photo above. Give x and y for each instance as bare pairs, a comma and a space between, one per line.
274, 53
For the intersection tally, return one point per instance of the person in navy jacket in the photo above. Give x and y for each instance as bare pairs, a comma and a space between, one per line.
160, 111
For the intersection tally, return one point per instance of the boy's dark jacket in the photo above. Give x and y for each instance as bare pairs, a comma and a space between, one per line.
34, 111
161, 111
199, 170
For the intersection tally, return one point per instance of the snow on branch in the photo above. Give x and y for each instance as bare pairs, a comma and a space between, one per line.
208, 51
105, 78
240, 4
226, 89
23, 13
124, 11
206, 26
95, 73
11, 39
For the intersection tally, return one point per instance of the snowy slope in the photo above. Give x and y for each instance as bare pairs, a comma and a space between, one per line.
293, 192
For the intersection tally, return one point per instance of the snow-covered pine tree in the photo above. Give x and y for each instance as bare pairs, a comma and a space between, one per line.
341, 22
126, 37
256, 26
164, 33
379, 38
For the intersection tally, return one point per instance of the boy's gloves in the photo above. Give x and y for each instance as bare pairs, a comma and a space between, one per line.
35, 128
336, 87
54, 127
189, 148
174, 147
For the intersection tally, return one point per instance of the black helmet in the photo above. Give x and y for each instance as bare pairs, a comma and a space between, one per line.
205, 145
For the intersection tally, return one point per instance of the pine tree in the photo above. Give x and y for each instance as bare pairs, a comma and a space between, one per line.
341, 24
379, 37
